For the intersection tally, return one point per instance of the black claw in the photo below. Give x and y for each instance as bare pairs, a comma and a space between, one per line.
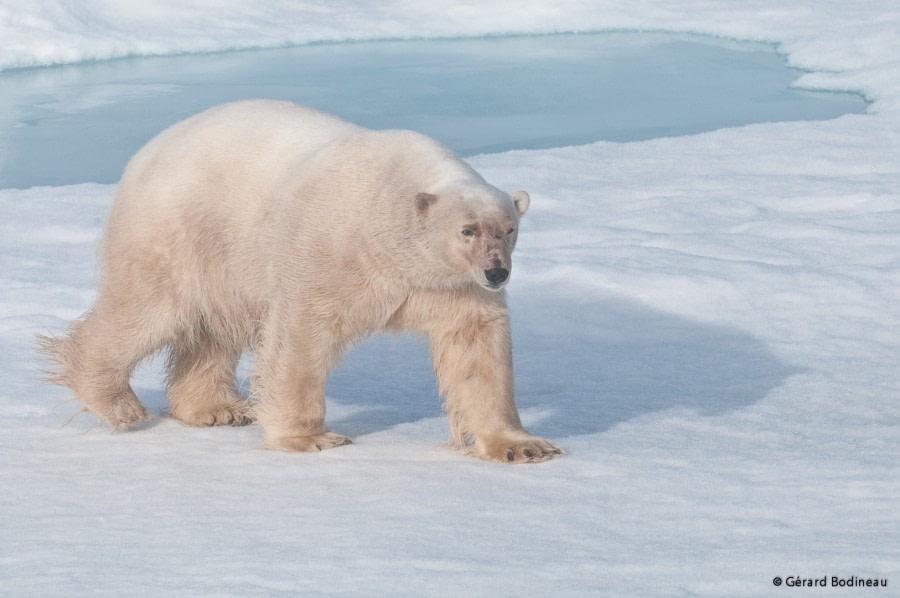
510, 455
528, 453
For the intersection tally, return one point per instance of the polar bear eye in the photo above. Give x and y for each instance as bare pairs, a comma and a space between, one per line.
510, 231
468, 232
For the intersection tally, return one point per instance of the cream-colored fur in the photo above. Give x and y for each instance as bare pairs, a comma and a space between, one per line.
270, 226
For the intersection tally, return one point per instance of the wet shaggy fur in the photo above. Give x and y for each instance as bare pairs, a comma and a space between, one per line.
268, 226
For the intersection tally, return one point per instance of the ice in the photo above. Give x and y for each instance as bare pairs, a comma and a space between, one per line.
708, 324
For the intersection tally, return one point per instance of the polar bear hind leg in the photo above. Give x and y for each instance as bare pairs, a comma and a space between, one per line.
98, 355
201, 383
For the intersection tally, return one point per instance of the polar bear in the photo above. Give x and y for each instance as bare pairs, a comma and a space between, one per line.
270, 226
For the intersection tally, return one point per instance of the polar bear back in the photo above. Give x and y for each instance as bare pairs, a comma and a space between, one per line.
235, 158
235, 151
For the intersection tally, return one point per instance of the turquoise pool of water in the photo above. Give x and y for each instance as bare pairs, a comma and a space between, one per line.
82, 122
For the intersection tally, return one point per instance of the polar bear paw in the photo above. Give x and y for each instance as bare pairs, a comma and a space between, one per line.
308, 444
517, 449
230, 413
125, 413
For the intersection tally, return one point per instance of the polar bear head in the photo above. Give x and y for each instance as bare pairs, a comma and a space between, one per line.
473, 230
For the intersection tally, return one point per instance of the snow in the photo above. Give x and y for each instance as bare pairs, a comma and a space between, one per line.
708, 324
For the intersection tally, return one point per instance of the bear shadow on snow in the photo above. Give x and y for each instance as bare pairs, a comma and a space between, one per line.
581, 366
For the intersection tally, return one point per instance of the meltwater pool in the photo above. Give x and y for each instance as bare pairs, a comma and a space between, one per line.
82, 122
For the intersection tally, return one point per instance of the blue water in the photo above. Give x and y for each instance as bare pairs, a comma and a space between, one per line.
81, 123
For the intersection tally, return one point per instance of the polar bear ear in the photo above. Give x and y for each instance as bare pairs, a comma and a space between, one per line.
521, 199
424, 201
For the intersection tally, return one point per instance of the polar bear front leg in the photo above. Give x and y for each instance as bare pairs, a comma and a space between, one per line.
470, 344
474, 366
290, 383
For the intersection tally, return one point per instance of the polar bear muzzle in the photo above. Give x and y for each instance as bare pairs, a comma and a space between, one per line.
496, 277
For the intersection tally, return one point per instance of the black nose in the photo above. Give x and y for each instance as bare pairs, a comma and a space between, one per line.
496, 275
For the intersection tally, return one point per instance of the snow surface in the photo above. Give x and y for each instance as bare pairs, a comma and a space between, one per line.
708, 324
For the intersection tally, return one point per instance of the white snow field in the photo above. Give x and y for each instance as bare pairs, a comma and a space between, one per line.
709, 324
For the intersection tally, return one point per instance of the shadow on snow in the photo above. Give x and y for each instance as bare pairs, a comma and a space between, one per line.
583, 366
